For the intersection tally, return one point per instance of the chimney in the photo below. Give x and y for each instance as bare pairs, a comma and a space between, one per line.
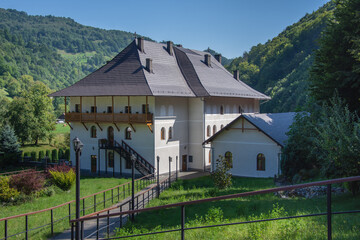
179, 45
236, 74
140, 44
149, 65
170, 47
218, 58
208, 60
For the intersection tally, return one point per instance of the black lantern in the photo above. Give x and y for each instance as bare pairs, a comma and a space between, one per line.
78, 145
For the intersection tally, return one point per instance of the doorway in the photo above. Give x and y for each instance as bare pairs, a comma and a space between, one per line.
93, 163
184, 163
111, 136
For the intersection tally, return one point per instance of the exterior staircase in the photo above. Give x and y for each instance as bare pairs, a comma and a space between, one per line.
127, 152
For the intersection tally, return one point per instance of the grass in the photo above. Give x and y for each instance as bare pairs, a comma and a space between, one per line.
245, 209
61, 128
87, 186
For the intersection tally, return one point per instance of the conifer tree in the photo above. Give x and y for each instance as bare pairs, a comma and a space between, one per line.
8, 140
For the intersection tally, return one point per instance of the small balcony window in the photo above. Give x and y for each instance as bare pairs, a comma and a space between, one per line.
145, 108
127, 109
93, 109
77, 108
109, 109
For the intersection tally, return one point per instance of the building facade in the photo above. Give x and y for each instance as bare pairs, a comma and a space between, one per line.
154, 101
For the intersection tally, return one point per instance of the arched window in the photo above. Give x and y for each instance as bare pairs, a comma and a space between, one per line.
221, 109
170, 132
240, 109
210, 156
128, 131
222, 126
229, 159
214, 129
260, 162
162, 136
208, 131
93, 132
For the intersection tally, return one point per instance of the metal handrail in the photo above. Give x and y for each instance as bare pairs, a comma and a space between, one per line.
224, 197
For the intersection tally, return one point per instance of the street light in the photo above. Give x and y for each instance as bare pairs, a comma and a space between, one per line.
133, 160
78, 146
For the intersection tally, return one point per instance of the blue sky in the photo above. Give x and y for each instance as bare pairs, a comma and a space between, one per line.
227, 26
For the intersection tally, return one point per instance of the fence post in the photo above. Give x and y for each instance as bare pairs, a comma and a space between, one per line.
69, 212
97, 227
82, 229
182, 222
118, 193
26, 227
5, 229
124, 192
112, 196
158, 185
176, 168
104, 200
72, 231
83, 206
108, 223
52, 222
121, 216
94, 203
328, 191
170, 160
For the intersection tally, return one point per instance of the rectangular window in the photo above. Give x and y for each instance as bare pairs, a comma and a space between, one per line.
144, 107
109, 109
190, 158
77, 108
127, 109
93, 109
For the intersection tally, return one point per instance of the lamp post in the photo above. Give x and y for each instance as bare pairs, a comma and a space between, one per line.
133, 160
78, 145
170, 160
158, 170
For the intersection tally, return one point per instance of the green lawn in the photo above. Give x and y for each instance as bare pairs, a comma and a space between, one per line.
61, 128
87, 187
245, 209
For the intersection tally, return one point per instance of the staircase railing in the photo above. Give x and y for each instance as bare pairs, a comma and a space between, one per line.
142, 165
138, 157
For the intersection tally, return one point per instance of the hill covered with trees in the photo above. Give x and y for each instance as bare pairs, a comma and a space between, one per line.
280, 67
54, 50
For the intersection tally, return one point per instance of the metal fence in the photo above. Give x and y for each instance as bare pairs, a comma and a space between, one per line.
182, 206
89, 203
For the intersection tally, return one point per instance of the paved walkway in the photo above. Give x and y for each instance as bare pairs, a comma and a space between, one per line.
141, 200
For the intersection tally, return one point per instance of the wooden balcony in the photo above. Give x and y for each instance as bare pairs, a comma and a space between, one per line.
109, 117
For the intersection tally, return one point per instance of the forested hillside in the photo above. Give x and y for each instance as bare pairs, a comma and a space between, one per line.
280, 67
55, 50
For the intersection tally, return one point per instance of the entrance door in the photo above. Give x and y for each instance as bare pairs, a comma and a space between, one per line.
93, 163
184, 163
111, 136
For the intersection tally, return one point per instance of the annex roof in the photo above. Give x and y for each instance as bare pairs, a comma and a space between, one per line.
274, 125
183, 73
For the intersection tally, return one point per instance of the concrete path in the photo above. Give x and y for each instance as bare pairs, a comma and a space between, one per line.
141, 200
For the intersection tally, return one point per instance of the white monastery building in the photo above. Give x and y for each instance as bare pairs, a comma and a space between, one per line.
154, 101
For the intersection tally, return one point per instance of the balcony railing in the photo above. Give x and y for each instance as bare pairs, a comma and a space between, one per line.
109, 117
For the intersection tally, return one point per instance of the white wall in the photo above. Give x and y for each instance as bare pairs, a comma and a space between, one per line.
245, 146
170, 112
142, 140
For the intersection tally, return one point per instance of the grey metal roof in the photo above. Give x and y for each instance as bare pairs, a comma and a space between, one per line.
182, 74
274, 125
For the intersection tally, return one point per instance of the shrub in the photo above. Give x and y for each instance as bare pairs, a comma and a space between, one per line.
27, 182
221, 175
60, 168
47, 154
67, 154
33, 156
26, 154
63, 180
6, 192
41, 155
54, 155
61, 154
